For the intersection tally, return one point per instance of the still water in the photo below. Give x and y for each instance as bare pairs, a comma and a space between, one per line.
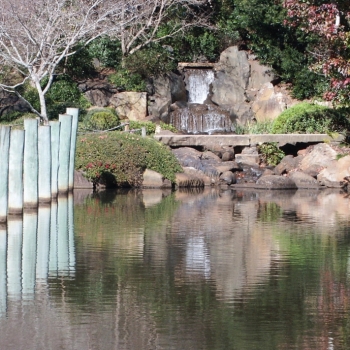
160, 270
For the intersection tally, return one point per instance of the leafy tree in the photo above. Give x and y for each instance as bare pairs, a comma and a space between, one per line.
330, 22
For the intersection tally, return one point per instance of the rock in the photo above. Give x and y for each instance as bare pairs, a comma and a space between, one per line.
335, 173
11, 103
211, 155
81, 182
268, 172
159, 107
195, 173
259, 75
303, 180
249, 159
275, 182
188, 157
228, 166
228, 178
287, 164
97, 91
228, 156
130, 105
268, 103
320, 156
187, 180
152, 179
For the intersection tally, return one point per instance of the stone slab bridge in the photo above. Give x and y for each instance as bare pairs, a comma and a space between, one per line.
214, 141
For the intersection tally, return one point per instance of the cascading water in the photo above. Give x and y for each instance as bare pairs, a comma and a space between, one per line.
199, 117
198, 84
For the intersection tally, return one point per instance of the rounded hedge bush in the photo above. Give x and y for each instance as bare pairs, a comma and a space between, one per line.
119, 159
311, 118
101, 119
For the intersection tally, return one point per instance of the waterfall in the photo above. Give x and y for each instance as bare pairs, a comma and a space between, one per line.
198, 84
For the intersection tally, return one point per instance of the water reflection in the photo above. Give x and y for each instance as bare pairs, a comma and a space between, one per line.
162, 270
32, 248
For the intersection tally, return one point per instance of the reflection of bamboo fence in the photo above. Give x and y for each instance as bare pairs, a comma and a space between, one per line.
37, 163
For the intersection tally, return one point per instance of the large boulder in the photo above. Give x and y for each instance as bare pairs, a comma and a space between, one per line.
97, 91
303, 180
259, 75
268, 104
319, 156
152, 179
130, 105
277, 182
335, 174
11, 103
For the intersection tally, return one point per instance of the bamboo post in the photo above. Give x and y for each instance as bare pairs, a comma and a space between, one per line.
5, 132
64, 152
55, 146
74, 112
15, 181
44, 178
30, 224
14, 257
3, 272
30, 164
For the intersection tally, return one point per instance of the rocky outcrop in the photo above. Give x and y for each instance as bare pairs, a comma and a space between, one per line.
152, 179
130, 105
336, 174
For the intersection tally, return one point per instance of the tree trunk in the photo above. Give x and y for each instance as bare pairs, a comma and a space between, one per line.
43, 109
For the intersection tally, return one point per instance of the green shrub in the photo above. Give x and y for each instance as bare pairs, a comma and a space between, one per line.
270, 153
127, 81
150, 126
101, 120
311, 118
119, 159
254, 128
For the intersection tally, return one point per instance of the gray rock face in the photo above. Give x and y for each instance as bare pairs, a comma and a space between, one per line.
11, 103
188, 157
287, 164
152, 179
228, 178
275, 182
303, 180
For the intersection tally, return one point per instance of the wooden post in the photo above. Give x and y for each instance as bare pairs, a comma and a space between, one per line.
55, 146
74, 112
64, 152
30, 224
30, 164
3, 272
143, 131
14, 257
44, 178
15, 182
5, 132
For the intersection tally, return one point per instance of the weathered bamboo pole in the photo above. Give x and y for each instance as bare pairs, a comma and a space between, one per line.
30, 224
55, 146
64, 152
15, 180
5, 132
74, 112
30, 164
44, 175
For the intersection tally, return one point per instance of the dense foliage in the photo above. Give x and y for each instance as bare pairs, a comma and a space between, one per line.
119, 159
311, 118
270, 153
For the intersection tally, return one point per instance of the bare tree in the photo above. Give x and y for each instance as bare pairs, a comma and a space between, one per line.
173, 16
36, 35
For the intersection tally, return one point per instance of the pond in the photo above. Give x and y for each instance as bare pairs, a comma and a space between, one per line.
154, 269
